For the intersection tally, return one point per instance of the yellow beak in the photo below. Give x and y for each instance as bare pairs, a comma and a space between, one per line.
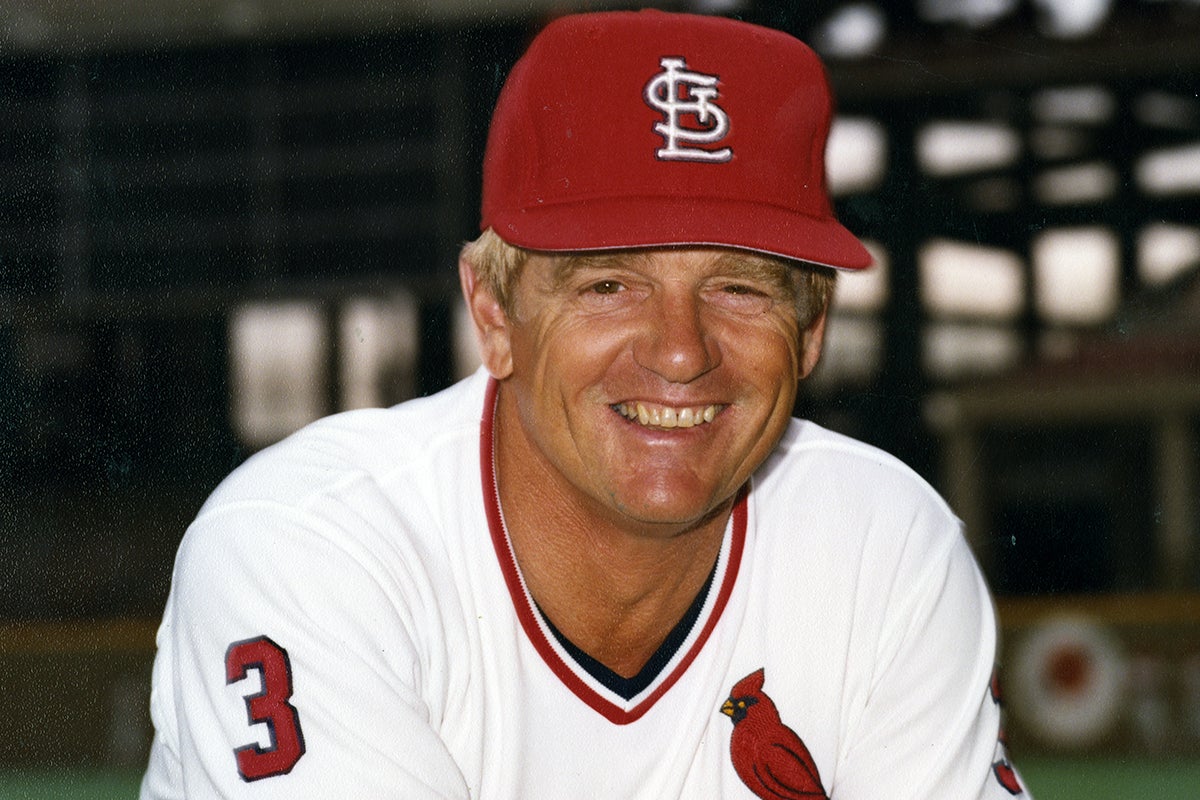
727, 708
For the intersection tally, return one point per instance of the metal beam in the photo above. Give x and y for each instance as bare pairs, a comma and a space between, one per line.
97, 25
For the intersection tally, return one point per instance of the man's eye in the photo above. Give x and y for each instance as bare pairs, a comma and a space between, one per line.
606, 287
741, 298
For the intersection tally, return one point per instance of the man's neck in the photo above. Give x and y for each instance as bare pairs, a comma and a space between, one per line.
615, 591
615, 600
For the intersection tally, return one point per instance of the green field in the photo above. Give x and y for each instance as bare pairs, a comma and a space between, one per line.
100, 784
1119, 779
1047, 779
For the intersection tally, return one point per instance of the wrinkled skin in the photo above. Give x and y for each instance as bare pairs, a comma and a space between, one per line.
589, 338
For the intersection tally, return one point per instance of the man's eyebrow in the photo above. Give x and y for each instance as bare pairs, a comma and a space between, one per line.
740, 265
749, 266
569, 265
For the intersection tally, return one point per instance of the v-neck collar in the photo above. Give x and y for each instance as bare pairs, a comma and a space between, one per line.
571, 673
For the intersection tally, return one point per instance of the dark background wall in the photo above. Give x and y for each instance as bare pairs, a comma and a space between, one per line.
162, 176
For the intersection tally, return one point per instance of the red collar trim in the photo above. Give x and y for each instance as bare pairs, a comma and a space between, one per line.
528, 615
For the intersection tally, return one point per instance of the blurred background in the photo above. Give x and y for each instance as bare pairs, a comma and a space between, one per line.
221, 219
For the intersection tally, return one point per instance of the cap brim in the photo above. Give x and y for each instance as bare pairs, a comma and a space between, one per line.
600, 224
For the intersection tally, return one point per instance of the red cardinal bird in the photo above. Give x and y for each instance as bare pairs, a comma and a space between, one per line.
769, 757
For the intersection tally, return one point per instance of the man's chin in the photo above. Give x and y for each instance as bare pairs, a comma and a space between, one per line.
667, 515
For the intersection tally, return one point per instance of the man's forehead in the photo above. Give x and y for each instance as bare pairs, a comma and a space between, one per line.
726, 258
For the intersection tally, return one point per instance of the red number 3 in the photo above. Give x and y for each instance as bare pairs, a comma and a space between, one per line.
269, 706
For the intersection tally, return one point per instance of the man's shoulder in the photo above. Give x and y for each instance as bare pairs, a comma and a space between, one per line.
334, 454
852, 518
814, 461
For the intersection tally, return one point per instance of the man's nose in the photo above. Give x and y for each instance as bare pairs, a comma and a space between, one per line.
676, 342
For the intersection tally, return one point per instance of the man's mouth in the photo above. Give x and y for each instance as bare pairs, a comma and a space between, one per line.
652, 415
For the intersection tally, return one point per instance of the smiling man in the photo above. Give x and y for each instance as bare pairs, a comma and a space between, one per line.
610, 564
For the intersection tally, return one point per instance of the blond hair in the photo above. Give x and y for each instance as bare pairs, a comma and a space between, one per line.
497, 264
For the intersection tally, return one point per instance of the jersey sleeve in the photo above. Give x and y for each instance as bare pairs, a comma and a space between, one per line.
287, 668
930, 728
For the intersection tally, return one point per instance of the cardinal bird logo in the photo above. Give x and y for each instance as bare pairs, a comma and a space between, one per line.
768, 756
1006, 776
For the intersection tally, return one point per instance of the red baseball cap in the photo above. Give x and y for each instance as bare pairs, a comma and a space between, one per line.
646, 128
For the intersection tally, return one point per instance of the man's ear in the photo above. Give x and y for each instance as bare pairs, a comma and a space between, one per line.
811, 340
491, 323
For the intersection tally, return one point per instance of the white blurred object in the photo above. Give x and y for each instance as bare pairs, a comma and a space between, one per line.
378, 351
961, 278
1082, 105
1067, 681
1076, 274
955, 350
865, 289
856, 155
973, 13
1072, 19
951, 148
1081, 183
852, 353
852, 30
1172, 171
716, 6
278, 360
1169, 111
1164, 252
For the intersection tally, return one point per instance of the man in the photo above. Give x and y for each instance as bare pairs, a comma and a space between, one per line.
610, 564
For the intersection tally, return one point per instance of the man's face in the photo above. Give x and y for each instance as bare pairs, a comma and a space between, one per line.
647, 385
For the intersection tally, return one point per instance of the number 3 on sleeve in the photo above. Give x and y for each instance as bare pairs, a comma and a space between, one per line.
269, 706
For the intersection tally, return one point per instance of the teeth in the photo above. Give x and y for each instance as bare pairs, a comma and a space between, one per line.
665, 416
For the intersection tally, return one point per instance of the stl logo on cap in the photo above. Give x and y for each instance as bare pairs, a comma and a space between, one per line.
697, 98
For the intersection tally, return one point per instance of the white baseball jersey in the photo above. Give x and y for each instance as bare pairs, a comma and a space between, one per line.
347, 620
